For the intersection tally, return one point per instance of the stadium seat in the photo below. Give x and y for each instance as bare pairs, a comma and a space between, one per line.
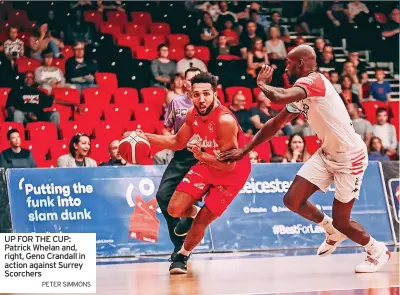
3, 96
176, 53
203, 53
25, 37
67, 52
151, 40
111, 28
106, 131
96, 96
141, 17
126, 96
130, 41
221, 95
313, 143
274, 106
27, 65
394, 107
178, 40
135, 29
279, 145
138, 75
18, 18
40, 130
49, 163
65, 111
227, 57
160, 29
160, 126
264, 151
153, 96
99, 151
149, 113
370, 108
146, 125
69, 129
60, 63
95, 17
92, 113
58, 149
231, 91
117, 17
38, 148
108, 81
118, 113
67, 94
5, 126
146, 52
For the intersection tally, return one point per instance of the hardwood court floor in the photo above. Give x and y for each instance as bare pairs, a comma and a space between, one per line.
247, 274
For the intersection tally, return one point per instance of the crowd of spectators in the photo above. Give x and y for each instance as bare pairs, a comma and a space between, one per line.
240, 30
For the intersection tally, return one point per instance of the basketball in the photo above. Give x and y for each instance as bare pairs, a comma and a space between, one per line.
134, 149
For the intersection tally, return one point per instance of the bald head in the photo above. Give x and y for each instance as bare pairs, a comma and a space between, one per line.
301, 60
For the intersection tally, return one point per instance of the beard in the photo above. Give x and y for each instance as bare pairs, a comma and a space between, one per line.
207, 111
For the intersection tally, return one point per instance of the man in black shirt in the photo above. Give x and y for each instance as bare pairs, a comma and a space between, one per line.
247, 37
115, 156
15, 156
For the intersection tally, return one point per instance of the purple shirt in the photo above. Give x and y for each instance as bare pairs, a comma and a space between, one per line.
176, 112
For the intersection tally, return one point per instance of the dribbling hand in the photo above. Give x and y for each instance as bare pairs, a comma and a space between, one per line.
265, 75
231, 155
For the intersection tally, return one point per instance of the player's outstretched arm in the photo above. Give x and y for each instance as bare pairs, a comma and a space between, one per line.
265, 133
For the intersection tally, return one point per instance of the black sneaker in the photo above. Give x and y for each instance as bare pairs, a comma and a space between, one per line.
183, 226
179, 264
172, 256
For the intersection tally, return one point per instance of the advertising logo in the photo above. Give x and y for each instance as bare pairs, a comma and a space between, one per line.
248, 210
297, 229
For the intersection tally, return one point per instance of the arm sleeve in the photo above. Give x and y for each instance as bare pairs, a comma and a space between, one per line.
32, 163
313, 85
393, 137
154, 69
3, 162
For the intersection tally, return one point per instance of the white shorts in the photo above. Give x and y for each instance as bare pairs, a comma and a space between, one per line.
346, 170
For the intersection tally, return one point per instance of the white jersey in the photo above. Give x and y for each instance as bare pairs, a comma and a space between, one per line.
325, 111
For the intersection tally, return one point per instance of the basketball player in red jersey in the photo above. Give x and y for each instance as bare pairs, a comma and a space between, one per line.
342, 157
216, 130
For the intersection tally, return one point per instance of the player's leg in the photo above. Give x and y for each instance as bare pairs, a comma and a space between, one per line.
346, 192
182, 205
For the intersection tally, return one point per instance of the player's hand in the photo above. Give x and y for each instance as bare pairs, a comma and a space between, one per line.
265, 75
197, 152
231, 155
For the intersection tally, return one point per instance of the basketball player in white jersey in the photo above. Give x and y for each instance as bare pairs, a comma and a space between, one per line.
342, 157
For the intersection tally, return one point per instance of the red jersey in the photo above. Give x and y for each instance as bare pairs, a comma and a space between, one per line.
207, 133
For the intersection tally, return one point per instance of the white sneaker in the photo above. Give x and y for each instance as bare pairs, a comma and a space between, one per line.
330, 243
374, 261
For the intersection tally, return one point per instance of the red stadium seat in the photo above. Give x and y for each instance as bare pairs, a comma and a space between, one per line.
313, 143
148, 53
203, 53
151, 40
95, 17
69, 129
25, 37
40, 130
50, 163
96, 96
153, 96
117, 113
231, 91
370, 108
67, 52
394, 107
147, 126
135, 29
273, 106
178, 40
5, 126
112, 29
130, 41
60, 63
126, 96
264, 151
27, 64
176, 53
141, 17
3, 96
38, 148
107, 131
117, 17
59, 149
65, 111
280, 145
160, 126
107, 80
99, 151
92, 113
67, 94
18, 18
227, 57
160, 29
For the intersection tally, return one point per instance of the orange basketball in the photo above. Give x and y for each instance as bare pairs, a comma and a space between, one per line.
134, 149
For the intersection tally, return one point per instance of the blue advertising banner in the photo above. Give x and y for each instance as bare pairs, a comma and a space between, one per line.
116, 203
257, 218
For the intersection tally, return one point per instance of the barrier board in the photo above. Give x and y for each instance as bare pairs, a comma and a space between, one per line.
5, 222
257, 218
116, 203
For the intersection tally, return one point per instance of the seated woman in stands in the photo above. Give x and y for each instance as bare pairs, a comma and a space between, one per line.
79, 147
297, 151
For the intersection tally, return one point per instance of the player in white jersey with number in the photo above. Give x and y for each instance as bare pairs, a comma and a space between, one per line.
342, 157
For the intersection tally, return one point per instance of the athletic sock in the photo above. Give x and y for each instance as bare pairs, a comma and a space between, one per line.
372, 245
184, 252
197, 211
327, 225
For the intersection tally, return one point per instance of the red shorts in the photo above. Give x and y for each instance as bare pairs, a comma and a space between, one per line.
219, 191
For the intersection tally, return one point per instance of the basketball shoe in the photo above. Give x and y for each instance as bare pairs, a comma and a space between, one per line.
331, 242
183, 226
179, 264
375, 259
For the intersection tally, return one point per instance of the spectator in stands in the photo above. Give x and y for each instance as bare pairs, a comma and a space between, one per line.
211, 7
275, 47
361, 126
48, 76
176, 90
301, 127
115, 156
222, 47
163, 157
262, 19
283, 31
254, 157
163, 68
13, 47
312, 16
391, 33
79, 70
189, 61
238, 108
376, 151
347, 94
355, 8
232, 37
327, 62
247, 37
41, 40
110, 5
15, 156
208, 32
350, 70
360, 66
337, 13
334, 79
319, 45
26, 104
260, 29
385, 131
256, 57
297, 151
380, 89
79, 147
224, 15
